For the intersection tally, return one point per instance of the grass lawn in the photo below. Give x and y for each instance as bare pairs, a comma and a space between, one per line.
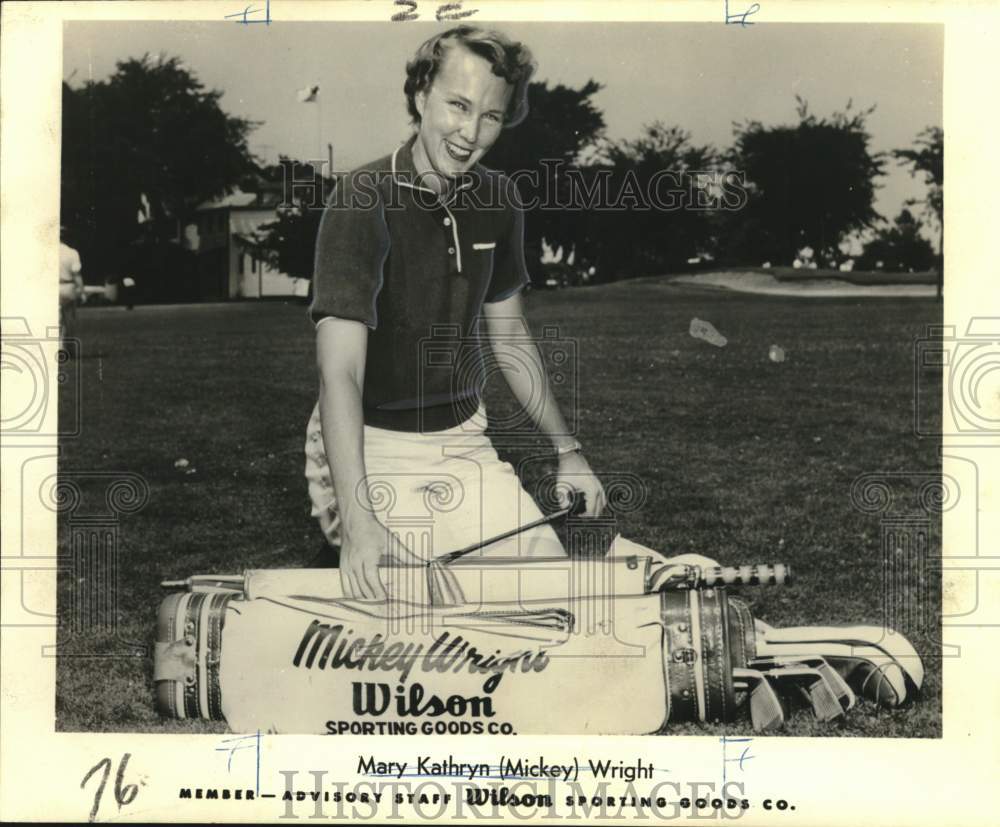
744, 459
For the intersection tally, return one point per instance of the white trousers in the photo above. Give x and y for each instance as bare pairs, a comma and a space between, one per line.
437, 491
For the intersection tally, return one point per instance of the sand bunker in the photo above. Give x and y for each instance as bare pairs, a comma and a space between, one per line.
766, 284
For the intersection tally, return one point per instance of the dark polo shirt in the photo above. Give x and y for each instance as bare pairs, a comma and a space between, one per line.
416, 270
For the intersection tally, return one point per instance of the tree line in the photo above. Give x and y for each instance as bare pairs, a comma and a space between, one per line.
143, 148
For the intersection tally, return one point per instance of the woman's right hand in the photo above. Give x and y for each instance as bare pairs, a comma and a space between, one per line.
341, 348
362, 550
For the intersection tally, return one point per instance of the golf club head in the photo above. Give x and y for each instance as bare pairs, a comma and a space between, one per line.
868, 670
767, 712
878, 682
810, 685
443, 586
889, 641
845, 695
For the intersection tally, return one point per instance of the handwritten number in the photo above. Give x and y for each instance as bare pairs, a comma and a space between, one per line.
453, 11
446, 11
106, 763
250, 10
410, 14
741, 18
124, 793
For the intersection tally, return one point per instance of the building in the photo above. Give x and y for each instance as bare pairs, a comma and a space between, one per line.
226, 267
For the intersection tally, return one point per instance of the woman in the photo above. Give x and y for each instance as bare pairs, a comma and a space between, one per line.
416, 251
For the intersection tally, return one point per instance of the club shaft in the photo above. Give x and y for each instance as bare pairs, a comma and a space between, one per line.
573, 508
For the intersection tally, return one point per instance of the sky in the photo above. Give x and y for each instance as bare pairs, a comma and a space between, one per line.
702, 77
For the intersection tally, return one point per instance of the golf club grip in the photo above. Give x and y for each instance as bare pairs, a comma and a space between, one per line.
762, 574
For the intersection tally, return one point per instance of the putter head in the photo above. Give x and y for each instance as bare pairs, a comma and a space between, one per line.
767, 712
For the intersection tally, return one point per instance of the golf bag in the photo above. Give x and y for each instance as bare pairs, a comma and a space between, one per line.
627, 644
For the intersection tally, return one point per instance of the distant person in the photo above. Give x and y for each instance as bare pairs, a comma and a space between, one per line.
70, 289
128, 293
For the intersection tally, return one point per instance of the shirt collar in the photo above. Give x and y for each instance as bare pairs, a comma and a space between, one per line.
405, 173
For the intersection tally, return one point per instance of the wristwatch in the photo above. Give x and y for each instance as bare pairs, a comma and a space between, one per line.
569, 448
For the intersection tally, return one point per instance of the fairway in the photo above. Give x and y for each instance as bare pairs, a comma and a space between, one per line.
742, 458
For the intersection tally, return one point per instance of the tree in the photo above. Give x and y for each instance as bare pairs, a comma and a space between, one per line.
562, 124
927, 157
899, 248
809, 184
289, 242
655, 214
149, 134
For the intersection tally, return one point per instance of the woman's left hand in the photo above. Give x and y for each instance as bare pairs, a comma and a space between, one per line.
575, 473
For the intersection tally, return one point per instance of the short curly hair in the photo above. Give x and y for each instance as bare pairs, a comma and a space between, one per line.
510, 60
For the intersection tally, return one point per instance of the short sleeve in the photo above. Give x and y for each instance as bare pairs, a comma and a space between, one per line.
510, 272
351, 247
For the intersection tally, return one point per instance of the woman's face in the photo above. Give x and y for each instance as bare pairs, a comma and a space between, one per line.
461, 115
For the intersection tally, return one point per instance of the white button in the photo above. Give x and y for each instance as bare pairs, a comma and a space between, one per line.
451, 251
447, 222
